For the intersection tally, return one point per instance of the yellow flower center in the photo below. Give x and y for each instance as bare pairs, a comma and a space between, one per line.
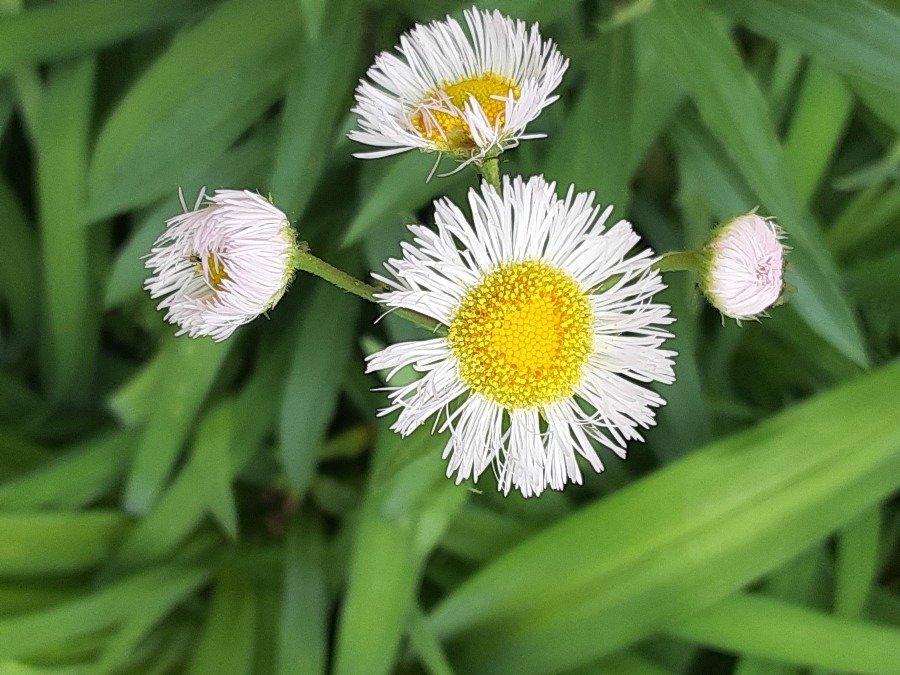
215, 270
437, 117
522, 335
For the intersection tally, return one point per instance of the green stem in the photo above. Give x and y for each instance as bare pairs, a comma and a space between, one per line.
490, 171
679, 261
673, 261
307, 262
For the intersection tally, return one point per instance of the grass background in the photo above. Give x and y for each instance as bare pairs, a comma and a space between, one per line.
169, 505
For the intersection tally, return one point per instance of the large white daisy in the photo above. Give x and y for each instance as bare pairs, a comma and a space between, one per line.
469, 94
552, 334
221, 264
743, 267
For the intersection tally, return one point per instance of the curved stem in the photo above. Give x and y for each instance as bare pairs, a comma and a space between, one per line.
307, 262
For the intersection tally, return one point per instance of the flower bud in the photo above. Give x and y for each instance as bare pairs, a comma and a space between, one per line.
743, 266
222, 264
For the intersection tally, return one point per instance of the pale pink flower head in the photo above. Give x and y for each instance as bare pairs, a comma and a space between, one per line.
743, 267
221, 264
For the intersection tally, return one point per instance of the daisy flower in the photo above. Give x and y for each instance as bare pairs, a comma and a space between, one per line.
743, 267
468, 93
222, 264
552, 334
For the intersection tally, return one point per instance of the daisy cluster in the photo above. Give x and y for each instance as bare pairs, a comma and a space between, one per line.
550, 331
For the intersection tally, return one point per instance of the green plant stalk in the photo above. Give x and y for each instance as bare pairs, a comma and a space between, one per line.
679, 261
673, 261
307, 262
490, 171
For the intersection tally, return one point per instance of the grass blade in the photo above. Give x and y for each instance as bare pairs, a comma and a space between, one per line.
785, 632
72, 302
314, 380
734, 509
190, 368
192, 103
45, 32
855, 37
735, 111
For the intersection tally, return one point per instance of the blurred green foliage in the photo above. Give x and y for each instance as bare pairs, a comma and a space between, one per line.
170, 506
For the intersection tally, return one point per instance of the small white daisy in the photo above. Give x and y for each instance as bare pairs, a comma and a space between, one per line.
222, 264
743, 267
468, 95
552, 334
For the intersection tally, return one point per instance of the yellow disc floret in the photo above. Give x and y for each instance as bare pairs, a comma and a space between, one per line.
522, 335
215, 270
437, 117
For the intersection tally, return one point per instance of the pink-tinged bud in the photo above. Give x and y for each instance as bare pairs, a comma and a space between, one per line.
222, 264
743, 267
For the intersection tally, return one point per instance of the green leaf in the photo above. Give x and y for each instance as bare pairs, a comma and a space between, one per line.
21, 596
480, 534
190, 367
7, 104
735, 111
782, 81
800, 581
864, 220
856, 567
317, 92
681, 539
203, 486
528, 10
426, 645
19, 275
72, 303
314, 380
177, 513
46, 31
882, 101
401, 186
313, 12
855, 37
77, 478
821, 115
785, 632
629, 663
227, 643
133, 402
20, 456
36, 631
657, 96
192, 103
408, 507
603, 115
214, 472
18, 403
303, 628
57, 543
255, 415
136, 628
